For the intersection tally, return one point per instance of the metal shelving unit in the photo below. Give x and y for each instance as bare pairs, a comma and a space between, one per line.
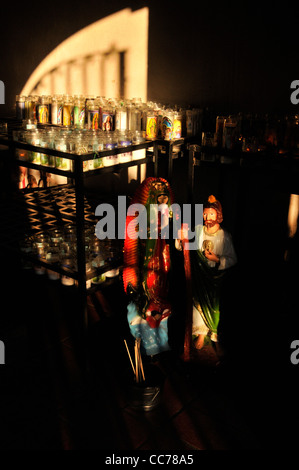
169, 149
60, 204
35, 210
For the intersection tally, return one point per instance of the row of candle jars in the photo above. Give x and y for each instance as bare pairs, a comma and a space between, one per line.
58, 247
78, 142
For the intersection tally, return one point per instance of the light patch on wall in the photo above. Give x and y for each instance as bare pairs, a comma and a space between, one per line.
293, 214
107, 58
2, 92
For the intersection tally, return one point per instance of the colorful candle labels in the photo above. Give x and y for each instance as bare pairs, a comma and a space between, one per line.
125, 157
96, 163
30, 111
34, 157
62, 163
43, 113
93, 119
167, 128
82, 117
44, 159
79, 116
151, 127
107, 122
59, 114
111, 146
111, 159
67, 115
177, 129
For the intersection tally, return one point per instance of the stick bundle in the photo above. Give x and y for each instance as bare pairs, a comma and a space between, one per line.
138, 369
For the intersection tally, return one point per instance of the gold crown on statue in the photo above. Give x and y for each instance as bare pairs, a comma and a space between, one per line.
212, 199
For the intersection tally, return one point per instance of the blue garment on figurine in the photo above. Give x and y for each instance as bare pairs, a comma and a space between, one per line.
153, 340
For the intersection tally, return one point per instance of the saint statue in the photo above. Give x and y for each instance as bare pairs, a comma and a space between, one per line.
209, 262
147, 264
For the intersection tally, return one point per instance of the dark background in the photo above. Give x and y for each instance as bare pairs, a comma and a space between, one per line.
233, 56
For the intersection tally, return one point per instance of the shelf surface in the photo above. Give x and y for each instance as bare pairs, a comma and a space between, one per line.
77, 161
27, 213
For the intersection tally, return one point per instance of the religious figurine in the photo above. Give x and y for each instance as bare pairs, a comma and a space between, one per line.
213, 256
147, 264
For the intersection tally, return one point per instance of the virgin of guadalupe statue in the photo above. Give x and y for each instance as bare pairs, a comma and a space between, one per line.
147, 265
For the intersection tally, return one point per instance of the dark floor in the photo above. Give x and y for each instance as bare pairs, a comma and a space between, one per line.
50, 401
